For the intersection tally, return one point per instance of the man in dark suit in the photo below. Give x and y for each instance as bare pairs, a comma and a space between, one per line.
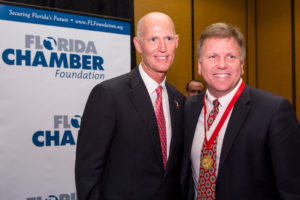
130, 143
241, 143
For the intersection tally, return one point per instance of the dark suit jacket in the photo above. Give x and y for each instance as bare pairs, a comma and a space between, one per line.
260, 157
118, 153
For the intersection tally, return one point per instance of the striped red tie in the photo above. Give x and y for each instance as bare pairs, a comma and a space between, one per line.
159, 112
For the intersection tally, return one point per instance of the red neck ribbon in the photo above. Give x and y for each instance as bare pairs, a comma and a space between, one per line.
223, 118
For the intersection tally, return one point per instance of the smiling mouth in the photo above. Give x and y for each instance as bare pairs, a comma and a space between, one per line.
221, 75
161, 57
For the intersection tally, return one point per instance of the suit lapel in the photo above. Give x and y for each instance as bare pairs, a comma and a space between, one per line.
143, 105
173, 116
195, 110
239, 113
174, 107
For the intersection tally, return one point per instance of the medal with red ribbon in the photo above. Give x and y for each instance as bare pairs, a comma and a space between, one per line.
206, 162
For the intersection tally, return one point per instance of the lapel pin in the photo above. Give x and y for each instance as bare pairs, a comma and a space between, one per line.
176, 103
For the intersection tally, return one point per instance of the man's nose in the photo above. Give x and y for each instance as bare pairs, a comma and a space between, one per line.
222, 63
162, 46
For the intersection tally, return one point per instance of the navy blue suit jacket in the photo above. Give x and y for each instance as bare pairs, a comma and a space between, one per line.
260, 157
118, 150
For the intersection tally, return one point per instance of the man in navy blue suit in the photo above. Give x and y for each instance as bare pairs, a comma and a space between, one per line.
241, 143
120, 154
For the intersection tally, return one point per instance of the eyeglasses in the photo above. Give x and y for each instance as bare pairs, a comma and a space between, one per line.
195, 91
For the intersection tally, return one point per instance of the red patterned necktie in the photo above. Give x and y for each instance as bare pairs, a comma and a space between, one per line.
207, 174
159, 112
213, 113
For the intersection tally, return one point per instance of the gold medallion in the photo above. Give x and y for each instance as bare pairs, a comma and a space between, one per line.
207, 162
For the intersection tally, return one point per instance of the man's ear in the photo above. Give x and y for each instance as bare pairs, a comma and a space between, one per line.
186, 94
199, 67
177, 39
137, 44
242, 66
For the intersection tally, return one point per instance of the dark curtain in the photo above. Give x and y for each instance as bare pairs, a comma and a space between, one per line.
113, 8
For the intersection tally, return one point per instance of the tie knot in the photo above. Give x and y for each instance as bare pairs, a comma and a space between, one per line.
158, 90
216, 103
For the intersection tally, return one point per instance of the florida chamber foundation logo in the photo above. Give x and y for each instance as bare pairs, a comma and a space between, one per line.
64, 133
71, 196
71, 58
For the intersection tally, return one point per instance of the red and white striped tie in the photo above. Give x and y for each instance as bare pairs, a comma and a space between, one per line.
159, 112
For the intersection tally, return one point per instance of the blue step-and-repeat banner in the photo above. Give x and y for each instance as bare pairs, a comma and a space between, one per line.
49, 62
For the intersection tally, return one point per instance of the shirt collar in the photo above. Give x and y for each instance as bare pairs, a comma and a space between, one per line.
151, 84
224, 100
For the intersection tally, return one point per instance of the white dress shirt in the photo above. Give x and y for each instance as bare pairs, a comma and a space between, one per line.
199, 132
151, 86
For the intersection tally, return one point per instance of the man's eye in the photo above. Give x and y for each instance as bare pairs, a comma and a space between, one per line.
153, 39
169, 38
